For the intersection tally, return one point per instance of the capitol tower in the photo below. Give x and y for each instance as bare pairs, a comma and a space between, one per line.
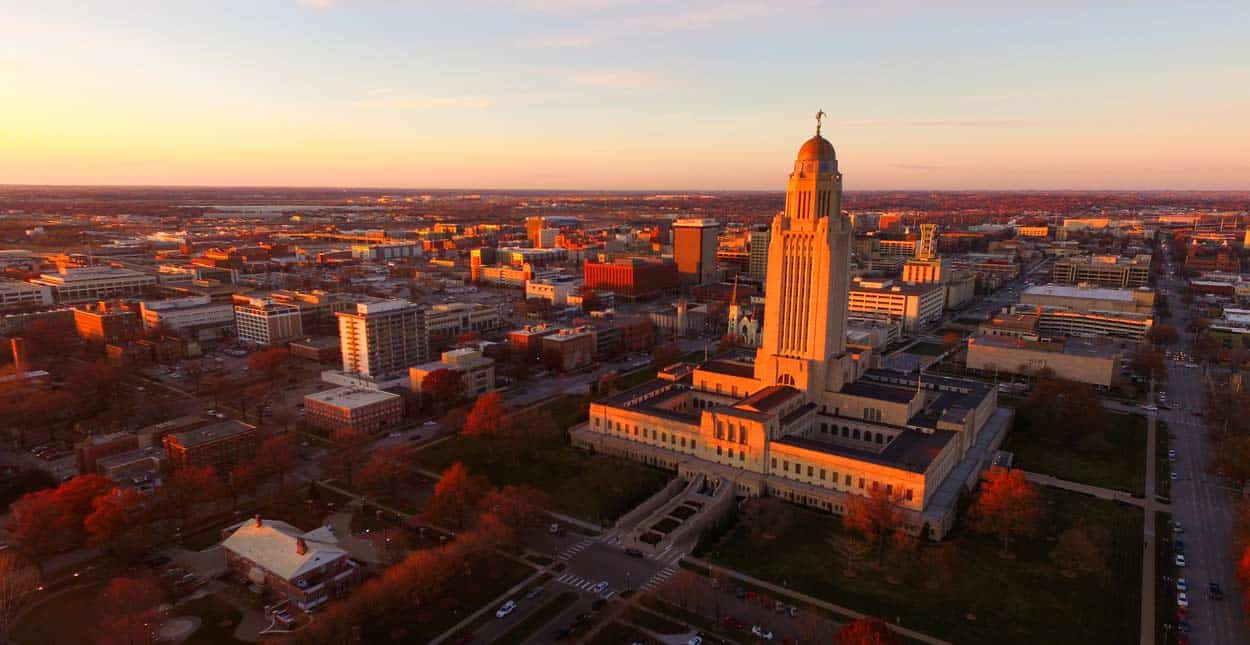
804, 340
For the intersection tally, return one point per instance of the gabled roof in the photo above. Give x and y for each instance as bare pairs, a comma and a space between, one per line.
273, 546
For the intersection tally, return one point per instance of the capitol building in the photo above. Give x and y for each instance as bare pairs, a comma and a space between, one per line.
804, 418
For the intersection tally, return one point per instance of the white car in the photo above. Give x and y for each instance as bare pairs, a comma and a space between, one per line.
695, 640
1174, 476
1182, 585
1180, 560
507, 608
601, 587
1150, 407
1182, 600
1172, 454
1176, 527
761, 633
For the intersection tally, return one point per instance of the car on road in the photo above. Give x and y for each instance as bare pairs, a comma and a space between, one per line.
553, 528
601, 587
505, 609
1182, 585
1214, 592
1180, 559
1171, 454
633, 553
1150, 407
1177, 527
733, 623
760, 632
1182, 600
695, 640
534, 593
1174, 476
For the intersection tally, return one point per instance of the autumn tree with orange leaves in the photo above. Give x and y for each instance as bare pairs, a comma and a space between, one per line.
877, 517
386, 469
454, 495
1009, 506
868, 630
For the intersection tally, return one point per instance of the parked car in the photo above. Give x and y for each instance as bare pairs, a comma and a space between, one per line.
733, 623
1214, 592
601, 587
695, 640
1180, 560
1177, 527
1182, 600
505, 609
760, 632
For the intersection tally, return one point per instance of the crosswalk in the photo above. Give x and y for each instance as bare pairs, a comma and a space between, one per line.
660, 577
578, 582
573, 550
611, 539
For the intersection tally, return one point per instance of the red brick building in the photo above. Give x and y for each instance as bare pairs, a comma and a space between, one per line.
107, 323
631, 278
221, 445
361, 409
306, 569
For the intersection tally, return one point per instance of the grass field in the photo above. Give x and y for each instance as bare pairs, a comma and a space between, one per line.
986, 597
595, 487
1122, 466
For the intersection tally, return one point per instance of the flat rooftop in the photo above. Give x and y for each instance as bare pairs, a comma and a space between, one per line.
351, 397
210, 433
1087, 293
911, 450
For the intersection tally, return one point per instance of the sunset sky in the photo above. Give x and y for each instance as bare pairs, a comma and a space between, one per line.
617, 94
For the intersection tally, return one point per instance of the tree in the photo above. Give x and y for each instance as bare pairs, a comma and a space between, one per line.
487, 419
17, 581
130, 611
116, 517
877, 517
850, 548
682, 587
1163, 335
187, 486
442, 388
868, 630
243, 480
1063, 411
386, 469
269, 362
40, 526
1148, 363
664, 355
516, 506
1008, 506
347, 453
1082, 549
277, 456
454, 494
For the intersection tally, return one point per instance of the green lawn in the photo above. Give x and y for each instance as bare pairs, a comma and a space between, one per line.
70, 617
595, 487
1122, 466
985, 597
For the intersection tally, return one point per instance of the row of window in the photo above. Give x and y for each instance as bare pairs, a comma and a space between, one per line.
726, 432
662, 437
853, 433
848, 480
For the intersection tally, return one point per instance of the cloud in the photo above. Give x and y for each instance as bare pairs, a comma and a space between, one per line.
942, 123
386, 99
618, 79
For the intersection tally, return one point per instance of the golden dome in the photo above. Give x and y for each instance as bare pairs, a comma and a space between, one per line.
817, 148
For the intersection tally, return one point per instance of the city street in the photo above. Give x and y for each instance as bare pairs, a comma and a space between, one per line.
1204, 504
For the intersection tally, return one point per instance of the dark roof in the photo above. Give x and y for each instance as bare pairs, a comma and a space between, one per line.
797, 413
731, 368
879, 391
769, 398
211, 433
911, 450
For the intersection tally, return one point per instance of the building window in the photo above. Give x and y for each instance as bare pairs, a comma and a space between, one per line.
861, 483
907, 495
855, 433
774, 463
718, 451
809, 471
742, 455
731, 453
880, 439
683, 442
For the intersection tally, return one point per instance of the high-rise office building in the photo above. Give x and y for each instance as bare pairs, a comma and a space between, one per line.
757, 269
694, 249
383, 338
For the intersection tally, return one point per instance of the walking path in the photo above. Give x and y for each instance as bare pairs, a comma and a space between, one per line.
808, 600
1148, 552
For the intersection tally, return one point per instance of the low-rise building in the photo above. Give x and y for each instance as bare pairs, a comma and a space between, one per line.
16, 295
265, 322
356, 408
1085, 299
107, 322
446, 322
527, 342
222, 445
1081, 360
569, 349
917, 305
555, 290
196, 315
305, 569
476, 371
74, 285
1103, 271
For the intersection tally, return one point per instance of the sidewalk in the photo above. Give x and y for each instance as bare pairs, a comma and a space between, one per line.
808, 600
